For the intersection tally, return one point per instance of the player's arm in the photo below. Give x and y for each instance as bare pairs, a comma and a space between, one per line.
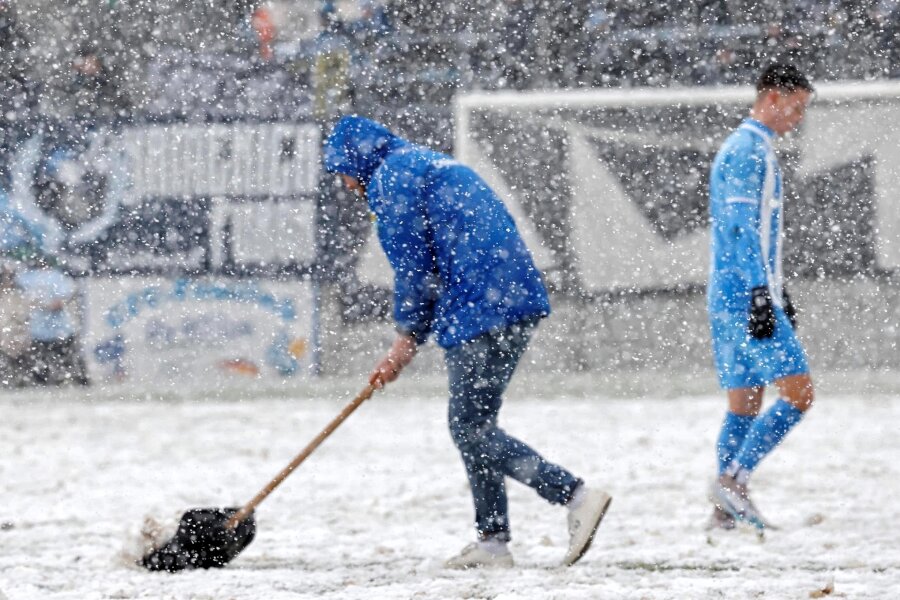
744, 180
406, 235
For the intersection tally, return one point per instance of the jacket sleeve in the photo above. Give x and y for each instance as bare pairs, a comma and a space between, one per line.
745, 177
406, 236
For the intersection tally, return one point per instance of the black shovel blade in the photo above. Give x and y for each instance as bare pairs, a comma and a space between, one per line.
202, 541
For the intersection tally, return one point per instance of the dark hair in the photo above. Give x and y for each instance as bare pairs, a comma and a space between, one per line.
784, 78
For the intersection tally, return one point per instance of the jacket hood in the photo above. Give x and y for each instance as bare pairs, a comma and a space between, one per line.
357, 146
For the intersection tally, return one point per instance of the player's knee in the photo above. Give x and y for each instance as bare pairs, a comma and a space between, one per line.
745, 401
801, 393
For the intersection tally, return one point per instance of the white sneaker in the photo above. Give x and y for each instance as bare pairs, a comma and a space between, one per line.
720, 520
734, 498
481, 554
584, 520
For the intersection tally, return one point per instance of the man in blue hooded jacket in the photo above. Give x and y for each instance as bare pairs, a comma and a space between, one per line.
463, 274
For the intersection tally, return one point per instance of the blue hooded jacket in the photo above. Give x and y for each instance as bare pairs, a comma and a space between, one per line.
460, 267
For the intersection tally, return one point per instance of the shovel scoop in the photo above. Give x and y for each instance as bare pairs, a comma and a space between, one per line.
203, 541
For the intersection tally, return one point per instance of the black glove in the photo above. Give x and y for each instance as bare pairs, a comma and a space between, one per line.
789, 308
762, 316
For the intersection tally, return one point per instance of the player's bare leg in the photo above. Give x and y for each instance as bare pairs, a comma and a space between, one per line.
798, 390
746, 401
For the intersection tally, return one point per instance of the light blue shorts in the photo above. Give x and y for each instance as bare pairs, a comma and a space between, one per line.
743, 361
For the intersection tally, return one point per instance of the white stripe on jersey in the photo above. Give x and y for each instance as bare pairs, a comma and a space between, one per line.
741, 200
779, 272
767, 207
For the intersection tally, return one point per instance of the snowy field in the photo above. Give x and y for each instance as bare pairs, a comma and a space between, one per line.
384, 501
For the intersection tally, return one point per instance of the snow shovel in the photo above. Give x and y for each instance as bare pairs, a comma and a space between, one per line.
211, 537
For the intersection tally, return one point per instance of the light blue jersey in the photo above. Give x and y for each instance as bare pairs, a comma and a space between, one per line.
745, 200
746, 194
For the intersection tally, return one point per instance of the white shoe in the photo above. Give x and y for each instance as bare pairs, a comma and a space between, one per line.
481, 554
584, 520
720, 520
734, 498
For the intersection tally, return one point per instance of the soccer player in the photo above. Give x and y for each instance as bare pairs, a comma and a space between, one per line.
463, 274
751, 315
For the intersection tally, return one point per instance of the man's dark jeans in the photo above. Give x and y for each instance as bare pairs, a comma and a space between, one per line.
479, 371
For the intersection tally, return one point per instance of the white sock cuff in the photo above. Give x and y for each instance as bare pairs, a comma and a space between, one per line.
740, 474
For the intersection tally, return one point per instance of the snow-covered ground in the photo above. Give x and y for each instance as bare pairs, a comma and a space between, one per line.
384, 501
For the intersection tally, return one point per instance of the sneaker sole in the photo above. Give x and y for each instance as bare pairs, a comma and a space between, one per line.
590, 540
494, 565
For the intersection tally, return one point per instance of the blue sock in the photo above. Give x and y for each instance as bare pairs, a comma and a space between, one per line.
766, 432
734, 430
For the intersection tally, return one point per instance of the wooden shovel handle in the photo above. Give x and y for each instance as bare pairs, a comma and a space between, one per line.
248, 508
